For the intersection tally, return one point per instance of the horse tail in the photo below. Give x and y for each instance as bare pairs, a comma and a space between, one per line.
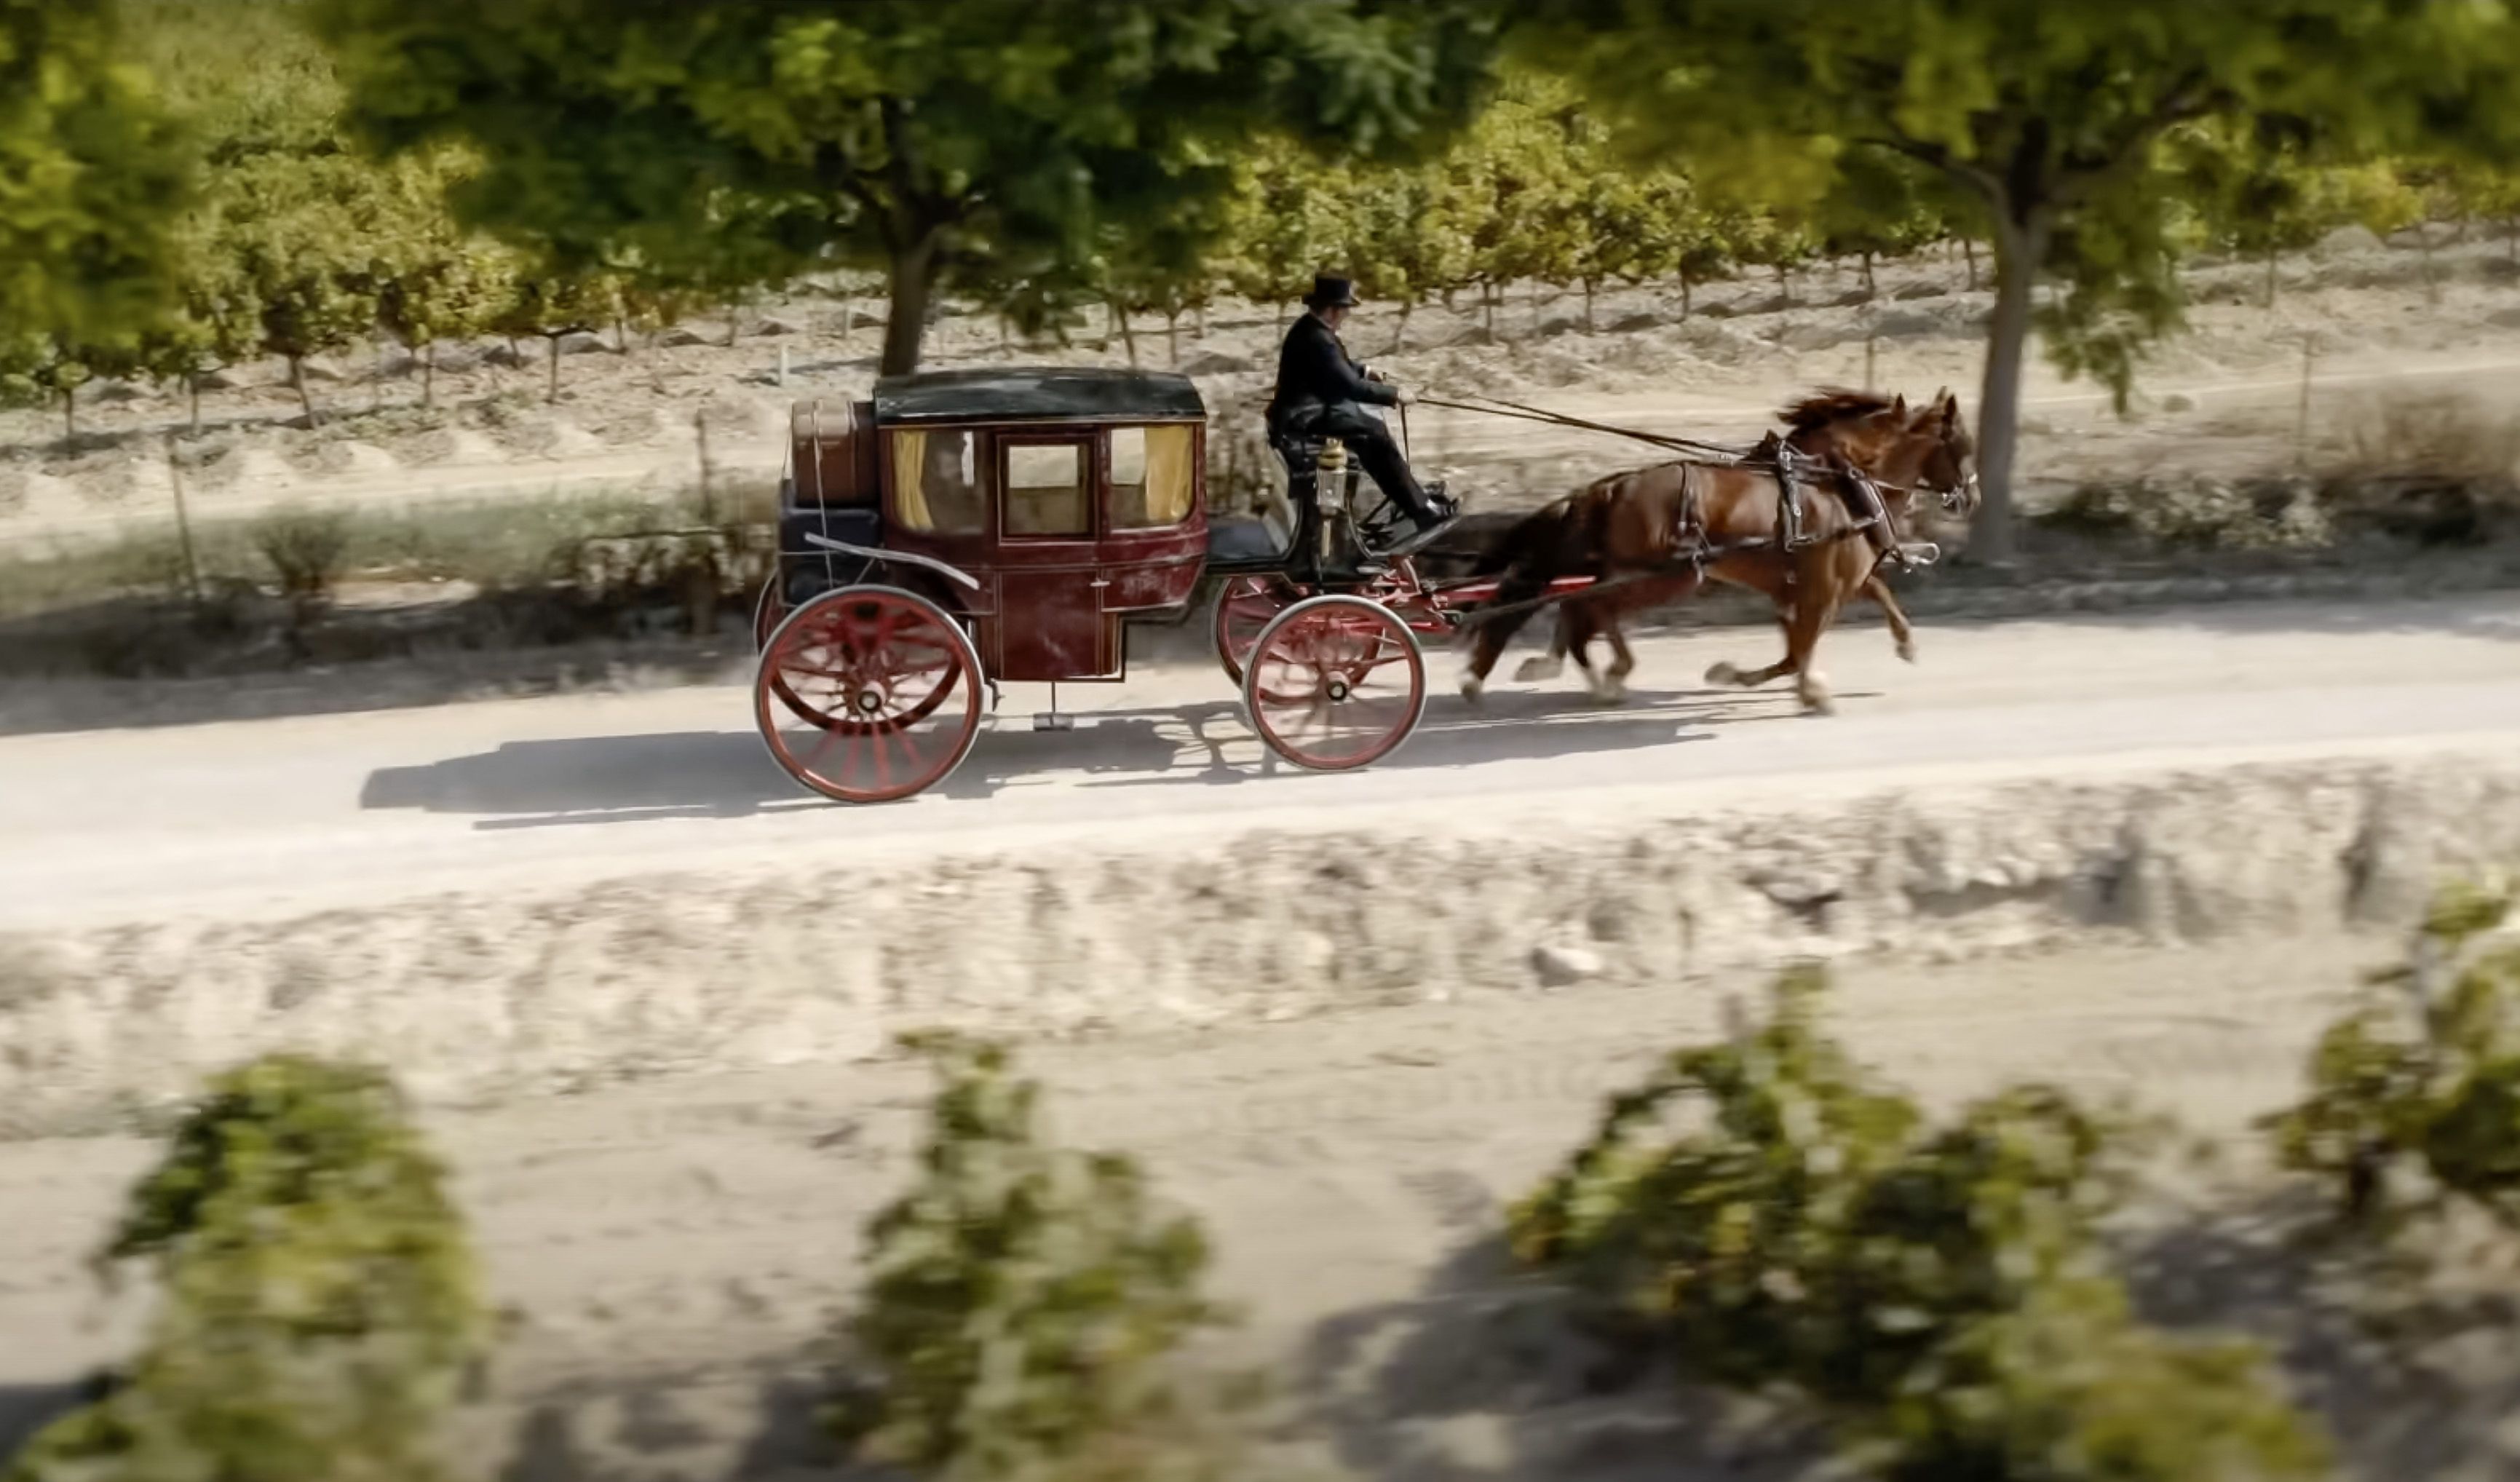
1536, 550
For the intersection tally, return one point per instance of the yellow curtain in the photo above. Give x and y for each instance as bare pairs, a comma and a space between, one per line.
909, 480
1168, 474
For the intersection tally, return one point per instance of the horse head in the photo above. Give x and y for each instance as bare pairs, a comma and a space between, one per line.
1925, 449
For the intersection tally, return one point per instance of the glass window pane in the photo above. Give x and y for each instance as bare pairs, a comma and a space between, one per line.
933, 492
1045, 493
1150, 476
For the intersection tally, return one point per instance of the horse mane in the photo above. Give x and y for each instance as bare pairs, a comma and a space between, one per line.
1832, 404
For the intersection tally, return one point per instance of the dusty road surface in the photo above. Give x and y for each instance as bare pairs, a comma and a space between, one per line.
673, 1249
285, 816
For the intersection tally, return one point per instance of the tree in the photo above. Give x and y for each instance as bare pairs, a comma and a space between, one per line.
93, 176
435, 281
297, 231
950, 143
2051, 116
555, 300
1286, 219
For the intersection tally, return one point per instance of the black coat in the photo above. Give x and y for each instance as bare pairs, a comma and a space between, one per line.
1314, 372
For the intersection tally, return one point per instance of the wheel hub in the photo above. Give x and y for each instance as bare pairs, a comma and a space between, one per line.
869, 701
1337, 689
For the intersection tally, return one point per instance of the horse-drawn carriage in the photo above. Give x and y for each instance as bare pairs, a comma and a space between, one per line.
963, 528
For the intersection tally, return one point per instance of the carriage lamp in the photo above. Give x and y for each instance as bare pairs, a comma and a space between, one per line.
1329, 471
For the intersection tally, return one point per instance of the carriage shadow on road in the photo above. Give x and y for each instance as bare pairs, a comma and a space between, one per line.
728, 774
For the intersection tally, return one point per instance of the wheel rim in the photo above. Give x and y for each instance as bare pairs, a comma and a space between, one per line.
877, 695
1243, 609
767, 613
1334, 683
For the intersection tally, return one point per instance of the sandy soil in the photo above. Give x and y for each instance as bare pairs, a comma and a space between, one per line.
672, 1250
2224, 399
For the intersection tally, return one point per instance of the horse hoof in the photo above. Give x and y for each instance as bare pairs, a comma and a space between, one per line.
1723, 674
1908, 653
1533, 669
1472, 687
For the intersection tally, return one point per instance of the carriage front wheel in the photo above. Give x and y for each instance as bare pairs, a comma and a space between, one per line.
1334, 683
867, 694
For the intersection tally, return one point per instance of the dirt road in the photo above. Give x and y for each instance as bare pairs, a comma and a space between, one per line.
285, 816
673, 1249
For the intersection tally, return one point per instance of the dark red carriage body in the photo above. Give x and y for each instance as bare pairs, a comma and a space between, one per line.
1075, 497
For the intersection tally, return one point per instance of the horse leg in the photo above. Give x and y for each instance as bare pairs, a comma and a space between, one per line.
1900, 634
1550, 665
1772, 585
1487, 645
1623, 662
1582, 624
1812, 618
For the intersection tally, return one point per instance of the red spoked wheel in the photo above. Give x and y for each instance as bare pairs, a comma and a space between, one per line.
1335, 683
768, 609
867, 694
1243, 608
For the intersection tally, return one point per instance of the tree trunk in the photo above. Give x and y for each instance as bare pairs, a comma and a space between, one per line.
297, 380
1128, 331
552, 392
428, 373
2271, 262
1590, 287
1199, 323
1784, 285
2019, 249
906, 315
1172, 337
1487, 306
1968, 254
1686, 294
192, 395
69, 414
1400, 335
1002, 335
1870, 287
2424, 241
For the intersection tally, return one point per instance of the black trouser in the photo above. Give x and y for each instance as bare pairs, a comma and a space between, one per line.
1365, 436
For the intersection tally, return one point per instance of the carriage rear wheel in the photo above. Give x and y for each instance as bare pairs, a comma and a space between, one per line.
1334, 683
867, 694
1243, 608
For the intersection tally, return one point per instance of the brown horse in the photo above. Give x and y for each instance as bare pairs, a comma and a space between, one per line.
1638, 529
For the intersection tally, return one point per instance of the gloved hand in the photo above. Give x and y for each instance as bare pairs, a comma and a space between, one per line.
1403, 395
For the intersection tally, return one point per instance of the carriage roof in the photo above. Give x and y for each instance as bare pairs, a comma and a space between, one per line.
1065, 393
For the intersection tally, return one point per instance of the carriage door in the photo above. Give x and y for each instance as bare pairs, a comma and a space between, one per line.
1051, 624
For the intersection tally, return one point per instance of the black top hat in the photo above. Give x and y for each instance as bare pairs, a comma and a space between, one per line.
1331, 291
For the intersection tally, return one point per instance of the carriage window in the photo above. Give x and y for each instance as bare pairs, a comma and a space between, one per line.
1151, 482
935, 482
1046, 491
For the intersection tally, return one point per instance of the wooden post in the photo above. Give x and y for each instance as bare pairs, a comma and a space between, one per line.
184, 526
2301, 432
699, 432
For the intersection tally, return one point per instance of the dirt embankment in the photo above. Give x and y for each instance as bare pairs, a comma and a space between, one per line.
480, 996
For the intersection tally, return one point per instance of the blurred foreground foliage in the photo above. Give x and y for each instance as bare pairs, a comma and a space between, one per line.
319, 1300
2413, 1104
1026, 1305
1943, 1288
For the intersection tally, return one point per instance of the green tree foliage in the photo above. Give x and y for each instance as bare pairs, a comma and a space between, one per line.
435, 281
1816, 1231
93, 176
2414, 1095
555, 300
320, 1302
948, 143
2053, 117
1026, 1305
